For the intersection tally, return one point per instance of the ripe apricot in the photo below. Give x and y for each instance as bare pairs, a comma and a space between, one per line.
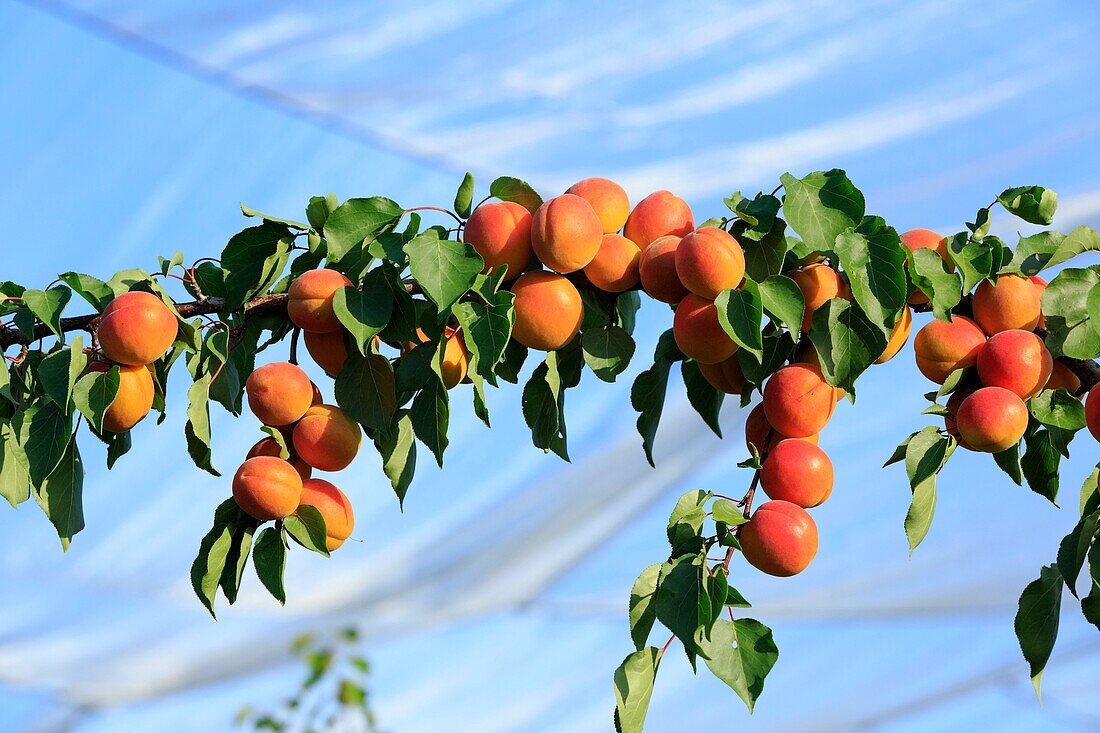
941, 347
1014, 302
725, 376
501, 234
136, 328
326, 438
708, 261
698, 333
334, 507
657, 270
133, 400
615, 267
270, 447
949, 422
329, 350
456, 357
1016, 360
797, 471
1062, 376
992, 419
608, 200
780, 539
819, 284
566, 233
757, 428
549, 311
309, 300
915, 239
898, 337
267, 488
1092, 411
657, 215
278, 393
798, 402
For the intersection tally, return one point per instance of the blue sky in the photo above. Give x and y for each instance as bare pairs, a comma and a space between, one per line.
497, 601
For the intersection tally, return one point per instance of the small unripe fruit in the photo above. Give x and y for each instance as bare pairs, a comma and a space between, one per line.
136, 328
608, 200
326, 438
133, 400
1092, 411
780, 539
915, 239
657, 270
798, 402
566, 233
329, 350
1016, 360
797, 471
992, 419
725, 376
267, 488
898, 337
699, 334
657, 215
548, 309
615, 267
270, 447
941, 347
278, 393
501, 234
1013, 303
309, 300
757, 428
334, 507
819, 284
708, 261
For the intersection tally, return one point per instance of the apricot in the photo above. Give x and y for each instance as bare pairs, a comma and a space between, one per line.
1092, 411
798, 402
329, 350
698, 333
819, 284
725, 376
657, 270
797, 471
136, 328
326, 438
1016, 360
757, 428
657, 215
566, 233
501, 234
780, 539
456, 357
992, 419
941, 347
949, 422
898, 336
133, 400
278, 393
267, 488
615, 267
309, 300
548, 309
1042, 285
915, 239
708, 261
608, 200
270, 447
1014, 302
1062, 376
334, 507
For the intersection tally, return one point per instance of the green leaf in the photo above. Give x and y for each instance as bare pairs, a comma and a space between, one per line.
820, 206
44, 431
269, 559
444, 268
874, 263
1009, 462
364, 313
764, 257
926, 453
48, 306
1058, 408
1074, 547
725, 511
252, 262
741, 312
1080, 240
847, 342
975, 260
929, 273
607, 351
15, 482
921, 510
61, 495
542, 406
642, 611
758, 215
647, 394
237, 558
307, 527
1033, 204
706, 400
95, 291
782, 300
318, 210
486, 330
681, 604
430, 415
365, 390
685, 525
93, 394
209, 564
506, 188
60, 370
900, 451
253, 213
509, 367
1065, 305
464, 197
777, 349
356, 220
1090, 606
1090, 492
1036, 621
1040, 464
398, 450
633, 687
197, 428
741, 653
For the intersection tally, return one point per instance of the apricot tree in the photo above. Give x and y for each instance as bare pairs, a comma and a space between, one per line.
791, 297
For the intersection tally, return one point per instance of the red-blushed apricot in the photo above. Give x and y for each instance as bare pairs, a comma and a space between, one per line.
270, 447
992, 419
136, 328
780, 539
757, 428
657, 215
1092, 411
1041, 284
548, 309
326, 438
898, 337
725, 376
133, 400
608, 200
501, 234
566, 233
1016, 360
819, 284
797, 471
657, 270
698, 333
1062, 376
309, 300
278, 393
615, 267
267, 488
1014, 302
334, 507
949, 423
329, 350
941, 347
915, 239
798, 402
810, 356
708, 261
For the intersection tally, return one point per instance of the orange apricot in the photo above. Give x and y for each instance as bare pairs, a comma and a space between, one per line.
992, 419
708, 261
278, 393
657, 270
501, 234
819, 284
780, 539
608, 200
266, 487
566, 233
757, 428
329, 350
941, 347
898, 336
334, 507
1092, 411
1016, 360
725, 376
133, 400
797, 471
615, 267
270, 447
657, 215
136, 328
915, 239
326, 438
1062, 376
548, 309
1013, 302
309, 300
698, 333
798, 402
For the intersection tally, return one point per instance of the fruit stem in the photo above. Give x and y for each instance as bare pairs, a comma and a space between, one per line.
440, 209
294, 346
